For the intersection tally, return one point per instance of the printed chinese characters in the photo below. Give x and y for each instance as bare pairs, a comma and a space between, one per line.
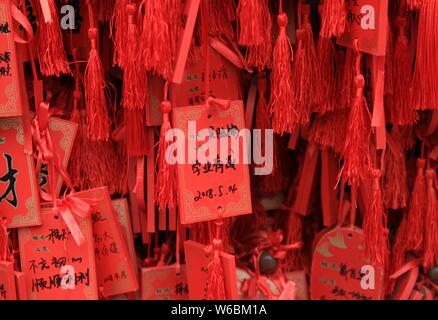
10, 194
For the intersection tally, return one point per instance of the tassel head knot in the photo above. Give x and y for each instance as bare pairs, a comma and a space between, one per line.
92, 34
421, 163
376, 174
130, 9
217, 244
77, 95
282, 20
165, 107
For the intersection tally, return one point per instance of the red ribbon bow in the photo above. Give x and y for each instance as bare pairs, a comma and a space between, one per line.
71, 205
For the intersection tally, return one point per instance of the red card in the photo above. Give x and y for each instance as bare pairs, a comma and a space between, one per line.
7, 281
122, 210
63, 134
50, 256
189, 15
224, 82
329, 197
367, 20
20, 284
19, 199
207, 185
197, 275
307, 180
153, 113
340, 270
164, 283
115, 271
10, 97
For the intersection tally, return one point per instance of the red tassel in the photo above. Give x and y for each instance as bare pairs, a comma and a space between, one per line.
262, 121
402, 113
294, 235
305, 90
95, 94
200, 232
399, 249
105, 9
395, 179
136, 137
166, 187
135, 89
274, 182
117, 168
339, 78
51, 53
220, 20
425, 93
95, 164
216, 279
74, 165
119, 24
431, 225
334, 18
259, 56
327, 69
172, 15
376, 240
284, 116
356, 153
330, 129
156, 39
249, 15
389, 64
414, 4
348, 89
417, 209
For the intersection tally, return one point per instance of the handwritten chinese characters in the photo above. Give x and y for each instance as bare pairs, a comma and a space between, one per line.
5, 56
56, 267
224, 82
10, 87
217, 175
338, 268
114, 268
5, 64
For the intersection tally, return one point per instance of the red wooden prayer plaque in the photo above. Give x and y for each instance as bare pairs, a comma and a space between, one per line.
10, 97
49, 256
339, 268
164, 283
213, 182
115, 272
8, 289
62, 133
19, 198
367, 21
